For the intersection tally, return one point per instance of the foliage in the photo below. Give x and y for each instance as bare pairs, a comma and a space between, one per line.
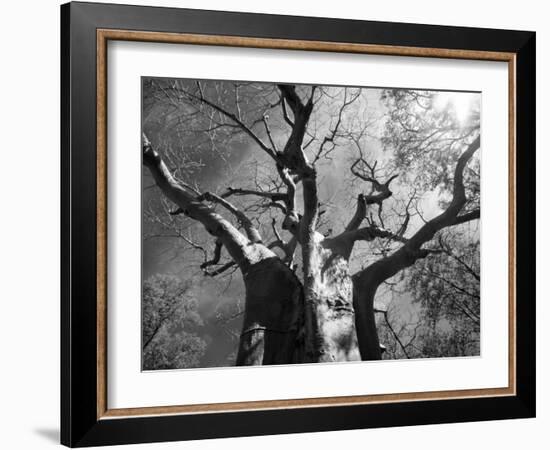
169, 318
426, 132
447, 288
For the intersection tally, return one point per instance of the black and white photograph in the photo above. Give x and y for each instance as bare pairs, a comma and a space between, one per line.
288, 223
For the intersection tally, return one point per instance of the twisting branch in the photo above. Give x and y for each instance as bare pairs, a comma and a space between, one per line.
245, 222
360, 214
273, 196
381, 191
192, 206
412, 249
293, 156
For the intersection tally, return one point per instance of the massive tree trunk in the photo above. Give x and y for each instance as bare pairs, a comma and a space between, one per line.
329, 311
273, 315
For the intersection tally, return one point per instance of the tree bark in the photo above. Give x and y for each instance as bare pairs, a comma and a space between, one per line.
273, 315
364, 291
329, 311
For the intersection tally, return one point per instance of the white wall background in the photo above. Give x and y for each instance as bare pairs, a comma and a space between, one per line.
29, 229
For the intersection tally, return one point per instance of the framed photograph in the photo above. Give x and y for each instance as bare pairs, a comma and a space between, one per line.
276, 224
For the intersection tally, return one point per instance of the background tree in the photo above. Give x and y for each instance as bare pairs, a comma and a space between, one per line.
445, 294
311, 271
448, 290
169, 318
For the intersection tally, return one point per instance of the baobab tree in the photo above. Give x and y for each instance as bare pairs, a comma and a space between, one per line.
311, 282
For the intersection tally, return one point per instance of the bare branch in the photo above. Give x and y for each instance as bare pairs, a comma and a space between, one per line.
268, 132
329, 139
381, 191
192, 206
233, 117
395, 335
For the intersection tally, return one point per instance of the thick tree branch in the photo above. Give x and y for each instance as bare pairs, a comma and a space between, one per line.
293, 156
344, 242
360, 214
366, 281
290, 200
287, 247
216, 258
381, 191
273, 196
237, 245
285, 112
289, 93
412, 249
220, 269
245, 222
467, 217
